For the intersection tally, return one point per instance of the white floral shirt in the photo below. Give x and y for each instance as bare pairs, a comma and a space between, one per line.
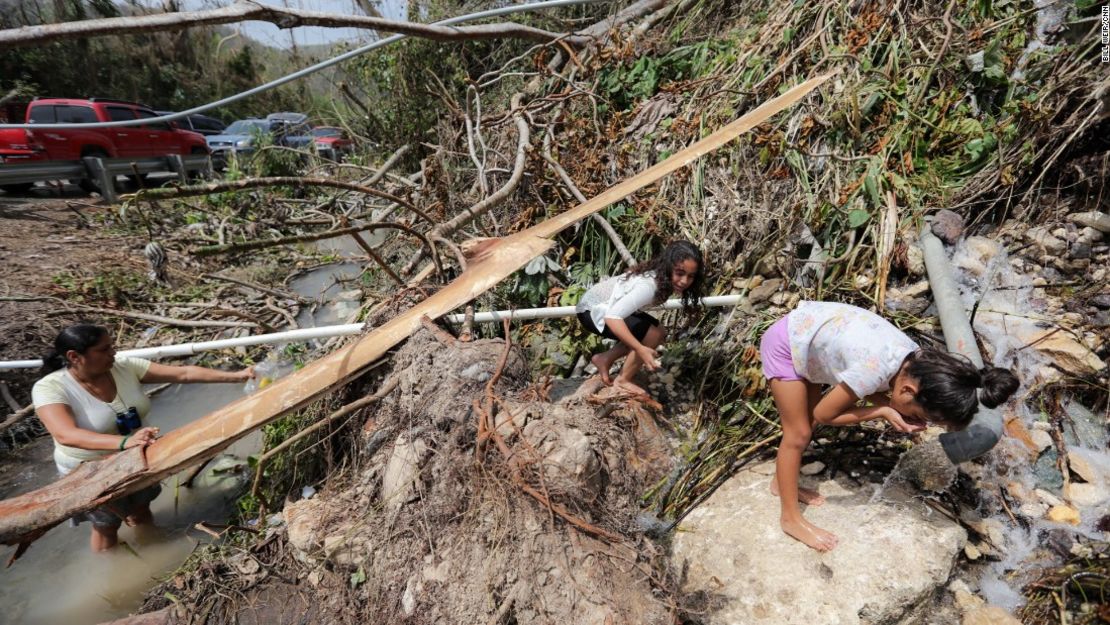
618, 297
832, 343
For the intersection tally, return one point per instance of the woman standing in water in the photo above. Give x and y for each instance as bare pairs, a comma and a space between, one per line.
93, 405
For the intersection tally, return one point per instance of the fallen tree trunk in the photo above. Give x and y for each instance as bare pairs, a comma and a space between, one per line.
25, 518
281, 16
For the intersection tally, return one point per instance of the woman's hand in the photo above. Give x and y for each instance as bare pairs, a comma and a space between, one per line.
896, 419
649, 356
246, 374
141, 437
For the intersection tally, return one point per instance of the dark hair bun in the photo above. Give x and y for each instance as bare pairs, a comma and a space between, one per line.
997, 386
52, 361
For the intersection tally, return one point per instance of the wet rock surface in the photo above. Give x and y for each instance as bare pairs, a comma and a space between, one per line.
889, 560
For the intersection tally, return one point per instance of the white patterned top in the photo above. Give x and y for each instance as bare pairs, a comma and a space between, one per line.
832, 343
618, 297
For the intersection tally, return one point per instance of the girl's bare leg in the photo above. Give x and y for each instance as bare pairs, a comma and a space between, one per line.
140, 516
807, 496
654, 338
103, 538
604, 361
792, 400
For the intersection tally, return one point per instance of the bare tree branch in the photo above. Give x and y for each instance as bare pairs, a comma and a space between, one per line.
448, 228
280, 16
274, 181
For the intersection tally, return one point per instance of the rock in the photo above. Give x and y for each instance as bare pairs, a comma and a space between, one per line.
1033, 509
1091, 234
909, 298
1094, 219
408, 598
1046, 241
926, 466
989, 615
344, 550
1041, 439
765, 290
302, 522
1083, 463
399, 481
964, 599
1080, 249
570, 463
915, 260
972, 552
813, 468
1048, 498
1063, 514
948, 226
732, 548
1086, 495
1087, 429
911, 305
1067, 353
1018, 491
314, 578
1046, 473
1102, 300
917, 289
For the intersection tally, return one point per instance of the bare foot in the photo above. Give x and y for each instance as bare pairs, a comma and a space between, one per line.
808, 533
602, 365
628, 387
808, 496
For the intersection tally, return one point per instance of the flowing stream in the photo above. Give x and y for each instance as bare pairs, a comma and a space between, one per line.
60, 580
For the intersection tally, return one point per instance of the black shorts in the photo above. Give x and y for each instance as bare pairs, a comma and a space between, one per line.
110, 515
638, 323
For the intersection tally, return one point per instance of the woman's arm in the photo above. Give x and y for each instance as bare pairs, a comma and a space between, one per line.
838, 407
60, 423
191, 373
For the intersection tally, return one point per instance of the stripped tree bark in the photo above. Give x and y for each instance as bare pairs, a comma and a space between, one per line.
280, 16
25, 518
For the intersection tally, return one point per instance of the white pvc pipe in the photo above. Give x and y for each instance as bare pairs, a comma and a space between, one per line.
307, 334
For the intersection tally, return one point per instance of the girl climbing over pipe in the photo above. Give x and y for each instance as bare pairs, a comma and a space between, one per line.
613, 308
859, 355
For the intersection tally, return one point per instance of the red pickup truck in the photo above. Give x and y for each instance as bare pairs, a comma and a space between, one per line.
152, 139
19, 146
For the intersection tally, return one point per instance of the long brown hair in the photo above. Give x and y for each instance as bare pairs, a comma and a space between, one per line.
664, 264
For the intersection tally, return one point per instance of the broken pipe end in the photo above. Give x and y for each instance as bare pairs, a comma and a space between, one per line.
976, 439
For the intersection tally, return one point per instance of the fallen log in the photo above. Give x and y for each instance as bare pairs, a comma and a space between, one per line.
25, 518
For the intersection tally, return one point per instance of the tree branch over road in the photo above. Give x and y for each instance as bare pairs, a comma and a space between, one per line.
280, 16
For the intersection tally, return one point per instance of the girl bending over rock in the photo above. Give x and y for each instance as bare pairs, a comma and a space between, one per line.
858, 354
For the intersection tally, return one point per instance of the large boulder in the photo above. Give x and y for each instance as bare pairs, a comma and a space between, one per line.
890, 558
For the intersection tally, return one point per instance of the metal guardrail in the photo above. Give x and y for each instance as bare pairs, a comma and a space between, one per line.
103, 171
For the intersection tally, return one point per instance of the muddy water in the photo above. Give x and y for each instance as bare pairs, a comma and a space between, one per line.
59, 580
333, 287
